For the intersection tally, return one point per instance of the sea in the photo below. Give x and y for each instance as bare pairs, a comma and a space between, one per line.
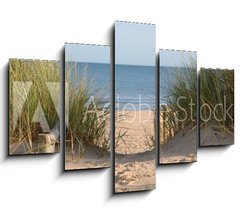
98, 73
167, 75
135, 86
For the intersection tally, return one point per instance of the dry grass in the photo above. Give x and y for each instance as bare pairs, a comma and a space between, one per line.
37, 73
217, 91
176, 113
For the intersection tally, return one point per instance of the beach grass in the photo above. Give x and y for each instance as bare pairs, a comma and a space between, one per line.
178, 107
216, 97
88, 112
35, 74
151, 135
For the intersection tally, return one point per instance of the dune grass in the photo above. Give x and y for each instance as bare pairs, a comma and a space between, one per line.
88, 113
151, 135
217, 93
178, 107
35, 74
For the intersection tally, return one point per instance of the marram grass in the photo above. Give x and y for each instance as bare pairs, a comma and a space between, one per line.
179, 106
87, 113
36, 73
217, 93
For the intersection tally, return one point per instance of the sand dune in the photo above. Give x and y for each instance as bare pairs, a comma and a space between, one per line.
182, 148
90, 159
211, 135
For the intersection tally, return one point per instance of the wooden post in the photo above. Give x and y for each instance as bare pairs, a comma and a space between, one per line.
47, 141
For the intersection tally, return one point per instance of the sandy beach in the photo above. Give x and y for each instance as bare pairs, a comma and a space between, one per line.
87, 157
91, 159
135, 155
177, 147
182, 148
211, 134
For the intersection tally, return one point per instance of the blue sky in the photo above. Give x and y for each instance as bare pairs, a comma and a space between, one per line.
87, 53
135, 44
176, 58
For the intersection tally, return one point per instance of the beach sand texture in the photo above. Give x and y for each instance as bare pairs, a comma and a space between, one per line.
90, 160
179, 147
211, 134
135, 155
182, 148
86, 157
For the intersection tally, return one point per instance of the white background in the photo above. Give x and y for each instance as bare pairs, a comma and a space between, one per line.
38, 29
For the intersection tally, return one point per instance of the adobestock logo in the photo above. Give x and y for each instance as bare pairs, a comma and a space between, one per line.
123, 108
32, 105
219, 112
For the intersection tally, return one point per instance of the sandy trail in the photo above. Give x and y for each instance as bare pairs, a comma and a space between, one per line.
135, 161
135, 158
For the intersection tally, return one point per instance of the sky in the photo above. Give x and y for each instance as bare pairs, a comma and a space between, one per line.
87, 53
176, 58
135, 44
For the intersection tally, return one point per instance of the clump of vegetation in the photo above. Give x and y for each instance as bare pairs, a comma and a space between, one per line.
151, 136
217, 97
33, 74
179, 106
88, 114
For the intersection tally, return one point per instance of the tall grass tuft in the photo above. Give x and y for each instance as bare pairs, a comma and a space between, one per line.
36, 73
88, 114
217, 92
178, 108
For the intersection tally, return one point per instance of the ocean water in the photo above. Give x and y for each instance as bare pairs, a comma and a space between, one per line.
98, 73
134, 87
167, 76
